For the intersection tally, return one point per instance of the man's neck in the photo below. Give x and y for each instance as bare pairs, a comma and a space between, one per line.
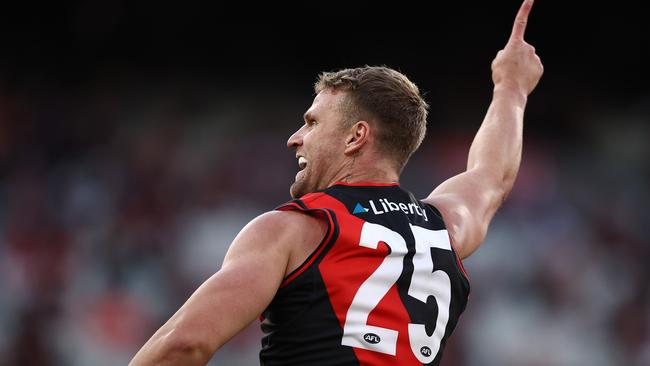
377, 176
366, 168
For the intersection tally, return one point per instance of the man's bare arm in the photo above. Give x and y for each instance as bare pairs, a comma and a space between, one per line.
469, 200
237, 294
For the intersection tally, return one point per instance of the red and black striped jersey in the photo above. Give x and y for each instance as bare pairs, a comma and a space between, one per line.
384, 287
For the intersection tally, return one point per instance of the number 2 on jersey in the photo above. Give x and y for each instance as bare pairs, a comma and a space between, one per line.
425, 282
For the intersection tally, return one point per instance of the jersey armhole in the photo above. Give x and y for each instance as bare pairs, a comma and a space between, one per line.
330, 236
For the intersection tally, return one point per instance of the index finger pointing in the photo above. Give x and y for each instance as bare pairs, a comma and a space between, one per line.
521, 20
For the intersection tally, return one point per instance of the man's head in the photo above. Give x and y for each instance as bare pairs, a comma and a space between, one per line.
367, 110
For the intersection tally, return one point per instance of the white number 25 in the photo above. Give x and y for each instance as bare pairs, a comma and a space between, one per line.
425, 282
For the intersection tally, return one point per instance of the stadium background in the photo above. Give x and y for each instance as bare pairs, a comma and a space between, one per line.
137, 139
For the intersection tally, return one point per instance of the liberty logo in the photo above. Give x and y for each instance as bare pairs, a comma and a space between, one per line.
359, 209
387, 206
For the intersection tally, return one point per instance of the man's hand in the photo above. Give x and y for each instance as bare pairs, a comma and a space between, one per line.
516, 65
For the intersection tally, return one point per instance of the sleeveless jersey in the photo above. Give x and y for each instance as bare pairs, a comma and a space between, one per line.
384, 287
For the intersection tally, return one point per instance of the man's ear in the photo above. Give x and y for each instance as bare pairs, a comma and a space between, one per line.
358, 136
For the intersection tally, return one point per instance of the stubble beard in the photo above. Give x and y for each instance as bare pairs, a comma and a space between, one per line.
294, 191
298, 188
301, 186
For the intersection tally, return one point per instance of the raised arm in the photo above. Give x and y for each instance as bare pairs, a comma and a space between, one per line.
237, 294
469, 200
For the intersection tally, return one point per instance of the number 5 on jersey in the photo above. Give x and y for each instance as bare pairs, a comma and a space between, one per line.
425, 282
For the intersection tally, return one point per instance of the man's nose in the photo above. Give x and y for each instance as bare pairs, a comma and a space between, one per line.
295, 140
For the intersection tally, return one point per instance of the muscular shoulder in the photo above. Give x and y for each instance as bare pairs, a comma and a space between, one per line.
285, 225
283, 235
465, 229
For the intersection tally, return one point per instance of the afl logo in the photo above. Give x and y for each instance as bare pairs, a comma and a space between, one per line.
425, 351
371, 338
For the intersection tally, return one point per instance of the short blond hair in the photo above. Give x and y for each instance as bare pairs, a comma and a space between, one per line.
386, 97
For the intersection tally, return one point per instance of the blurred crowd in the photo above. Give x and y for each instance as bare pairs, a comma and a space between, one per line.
118, 200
